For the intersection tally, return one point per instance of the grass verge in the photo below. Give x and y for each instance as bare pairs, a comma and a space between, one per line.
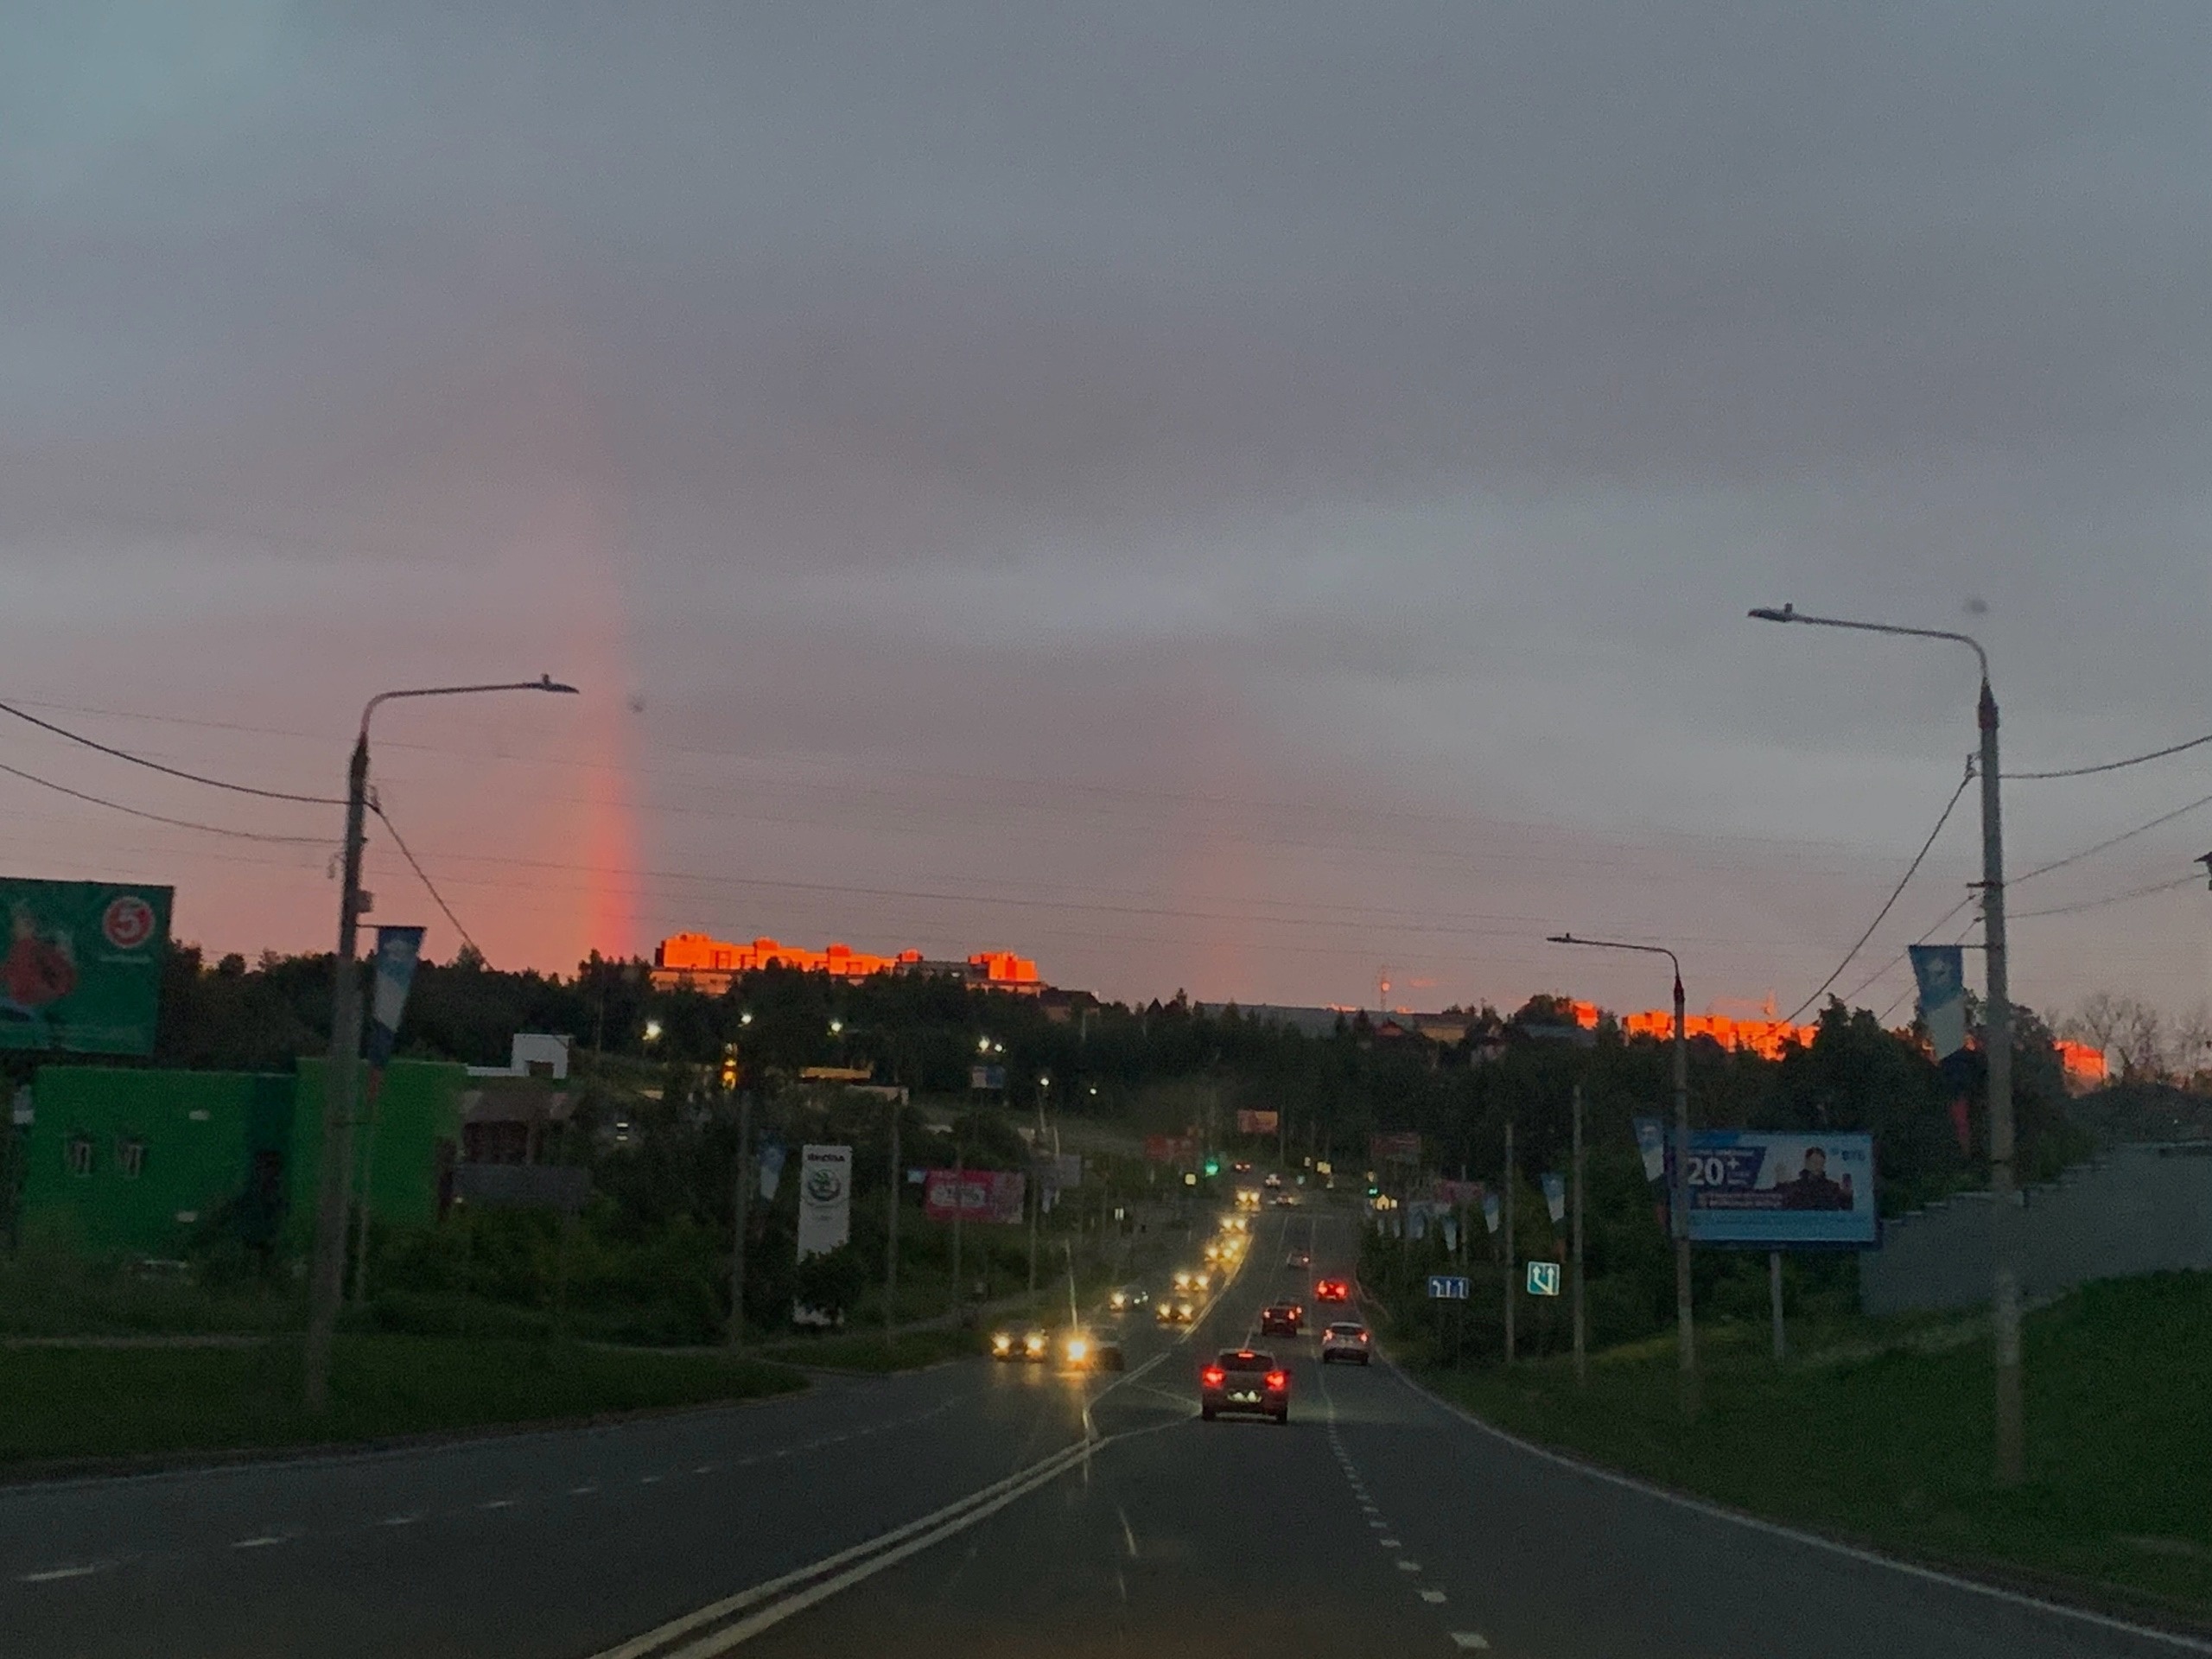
86, 1403
1891, 1444
866, 1351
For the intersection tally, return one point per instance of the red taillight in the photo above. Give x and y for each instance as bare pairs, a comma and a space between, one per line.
1213, 1377
1278, 1379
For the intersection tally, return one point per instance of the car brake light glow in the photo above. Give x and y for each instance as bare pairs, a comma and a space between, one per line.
1213, 1377
1278, 1379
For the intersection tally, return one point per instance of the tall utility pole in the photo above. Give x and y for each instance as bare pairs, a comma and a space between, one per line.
959, 1206
1678, 1188
1581, 1329
891, 1235
739, 1212
327, 1278
1510, 1183
327, 1274
1997, 1044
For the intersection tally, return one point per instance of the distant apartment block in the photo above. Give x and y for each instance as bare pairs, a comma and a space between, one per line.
709, 965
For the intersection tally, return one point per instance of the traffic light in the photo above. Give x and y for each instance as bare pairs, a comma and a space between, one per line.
729, 1068
1213, 1168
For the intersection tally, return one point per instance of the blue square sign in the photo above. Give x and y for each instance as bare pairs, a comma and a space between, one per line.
1447, 1287
1544, 1278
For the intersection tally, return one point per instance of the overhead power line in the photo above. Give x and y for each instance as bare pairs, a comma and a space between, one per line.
1911, 869
415, 864
172, 771
2108, 765
2113, 840
156, 817
2109, 898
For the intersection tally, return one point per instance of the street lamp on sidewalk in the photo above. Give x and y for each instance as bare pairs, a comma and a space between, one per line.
1997, 1042
326, 1276
1678, 1205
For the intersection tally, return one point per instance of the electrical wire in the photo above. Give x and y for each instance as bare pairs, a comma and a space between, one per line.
2110, 898
172, 771
415, 864
2109, 765
1903, 955
1912, 870
156, 817
2124, 834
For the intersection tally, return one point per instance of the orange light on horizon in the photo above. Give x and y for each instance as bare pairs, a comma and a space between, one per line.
708, 964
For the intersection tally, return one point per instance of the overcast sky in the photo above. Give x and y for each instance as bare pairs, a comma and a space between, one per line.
1240, 497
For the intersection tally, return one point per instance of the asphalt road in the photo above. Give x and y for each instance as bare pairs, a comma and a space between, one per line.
975, 1508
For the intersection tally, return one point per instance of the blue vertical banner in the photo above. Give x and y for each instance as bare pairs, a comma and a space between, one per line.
1941, 972
1490, 1210
397, 949
1555, 1196
1652, 1146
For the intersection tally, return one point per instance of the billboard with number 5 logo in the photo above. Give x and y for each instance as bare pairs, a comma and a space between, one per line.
82, 973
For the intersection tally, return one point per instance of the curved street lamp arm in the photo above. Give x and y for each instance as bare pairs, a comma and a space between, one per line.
1791, 613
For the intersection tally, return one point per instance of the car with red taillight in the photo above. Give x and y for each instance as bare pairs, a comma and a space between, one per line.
1347, 1341
1332, 1290
1244, 1380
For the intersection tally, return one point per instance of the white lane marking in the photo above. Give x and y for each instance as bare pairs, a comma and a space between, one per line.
1833, 1547
585, 1491
1379, 1524
401, 1520
1467, 1641
1123, 1582
54, 1574
928, 1528
1129, 1534
1408, 1566
1431, 1597
704, 1469
648, 1480
497, 1504
262, 1540
1389, 1544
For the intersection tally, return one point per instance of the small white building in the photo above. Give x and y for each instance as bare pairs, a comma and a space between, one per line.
532, 1054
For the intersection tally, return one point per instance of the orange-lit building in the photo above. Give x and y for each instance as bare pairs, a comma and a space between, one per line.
1766, 1037
2085, 1067
710, 964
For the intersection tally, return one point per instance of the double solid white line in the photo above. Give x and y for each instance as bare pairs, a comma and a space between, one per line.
779, 1599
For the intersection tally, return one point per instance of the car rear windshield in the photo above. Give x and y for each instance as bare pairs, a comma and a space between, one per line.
1346, 1331
1235, 1362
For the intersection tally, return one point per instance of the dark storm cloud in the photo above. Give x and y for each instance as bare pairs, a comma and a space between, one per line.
1420, 392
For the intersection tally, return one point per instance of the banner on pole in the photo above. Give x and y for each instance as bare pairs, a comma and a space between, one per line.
398, 951
1651, 1142
771, 1166
1251, 1122
83, 968
1555, 1195
1940, 970
825, 1200
1490, 1210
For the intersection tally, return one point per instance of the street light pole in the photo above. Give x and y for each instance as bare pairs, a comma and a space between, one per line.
1997, 1043
1678, 1191
327, 1275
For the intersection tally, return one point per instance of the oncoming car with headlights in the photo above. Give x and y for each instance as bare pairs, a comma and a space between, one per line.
1023, 1342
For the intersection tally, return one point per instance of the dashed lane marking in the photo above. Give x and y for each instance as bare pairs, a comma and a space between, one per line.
1431, 1597
584, 1491
1408, 1566
262, 1540
1468, 1641
55, 1575
497, 1504
401, 1520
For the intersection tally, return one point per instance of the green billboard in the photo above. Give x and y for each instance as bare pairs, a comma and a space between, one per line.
83, 966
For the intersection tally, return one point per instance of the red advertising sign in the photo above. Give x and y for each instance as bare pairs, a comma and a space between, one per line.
1249, 1123
1458, 1192
1400, 1146
976, 1194
1170, 1150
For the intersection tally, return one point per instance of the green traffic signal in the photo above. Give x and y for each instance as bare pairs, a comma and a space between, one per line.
1213, 1168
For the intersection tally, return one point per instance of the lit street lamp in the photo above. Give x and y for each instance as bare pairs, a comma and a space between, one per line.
326, 1277
1678, 1197
1997, 1043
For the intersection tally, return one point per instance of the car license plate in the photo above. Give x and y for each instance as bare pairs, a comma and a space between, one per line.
1245, 1397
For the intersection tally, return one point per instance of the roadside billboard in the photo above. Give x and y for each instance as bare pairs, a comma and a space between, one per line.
1170, 1150
982, 1195
1777, 1188
83, 968
825, 1200
1252, 1122
1400, 1146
